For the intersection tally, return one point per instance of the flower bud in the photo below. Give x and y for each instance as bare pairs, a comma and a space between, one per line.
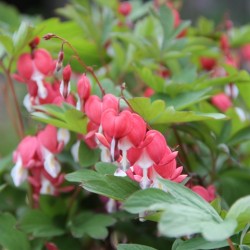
125, 8
48, 36
67, 73
33, 44
83, 87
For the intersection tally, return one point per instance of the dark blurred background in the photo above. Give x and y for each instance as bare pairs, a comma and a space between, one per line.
213, 9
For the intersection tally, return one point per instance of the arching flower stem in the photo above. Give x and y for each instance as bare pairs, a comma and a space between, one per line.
76, 55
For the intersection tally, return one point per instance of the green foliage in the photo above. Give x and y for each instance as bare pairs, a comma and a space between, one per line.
133, 247
10, 237
144, 49
180, 204
65, 116
156, 113
93, 225
87, 156
108, 185
240, 211
39, 224
198, 243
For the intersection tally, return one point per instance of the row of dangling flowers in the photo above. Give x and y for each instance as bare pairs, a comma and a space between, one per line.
122, 135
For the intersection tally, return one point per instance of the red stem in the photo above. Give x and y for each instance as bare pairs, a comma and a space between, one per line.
85, 66
20, 126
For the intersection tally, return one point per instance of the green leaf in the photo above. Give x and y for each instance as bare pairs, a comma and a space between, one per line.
199, 216
65, 116
87, 156
133, 247
244, 247
7, 43
136, 40
9, 16
73, 32
234, 183
180, 220
244, 89
110, 3
94, 225
239, 137
5, 163
39, 225
139, 10
142, 200
23, 36
240, 36
117, 188
153, 81
186, 99
183, 25
105, 168
205, 26
167, 21
199, 243
240, 211
186, 196
156, 113
83, 175
183, 212
187, 75
10, 237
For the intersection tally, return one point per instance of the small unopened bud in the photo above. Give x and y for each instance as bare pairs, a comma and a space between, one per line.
33, 44
60, 56
123, 86
58, 66
65, 84
83, 87
90, 69
48, 36
67, 73
125, 8
51, 246
59, 63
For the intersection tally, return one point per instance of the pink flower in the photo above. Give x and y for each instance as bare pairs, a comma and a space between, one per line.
222, 102
116, 125
52, 142
166, 169
59, 100
51, 246
25, 157
207, 194
136, 135
48, 139
207, 63
65, 83
124, 8
83, 91
148, 92
150, 152
28, 151
35, 67
94, 106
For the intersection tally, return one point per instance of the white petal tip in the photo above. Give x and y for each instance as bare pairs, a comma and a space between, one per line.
120, 173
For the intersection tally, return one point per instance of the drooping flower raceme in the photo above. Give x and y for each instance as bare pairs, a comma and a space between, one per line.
36, 162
